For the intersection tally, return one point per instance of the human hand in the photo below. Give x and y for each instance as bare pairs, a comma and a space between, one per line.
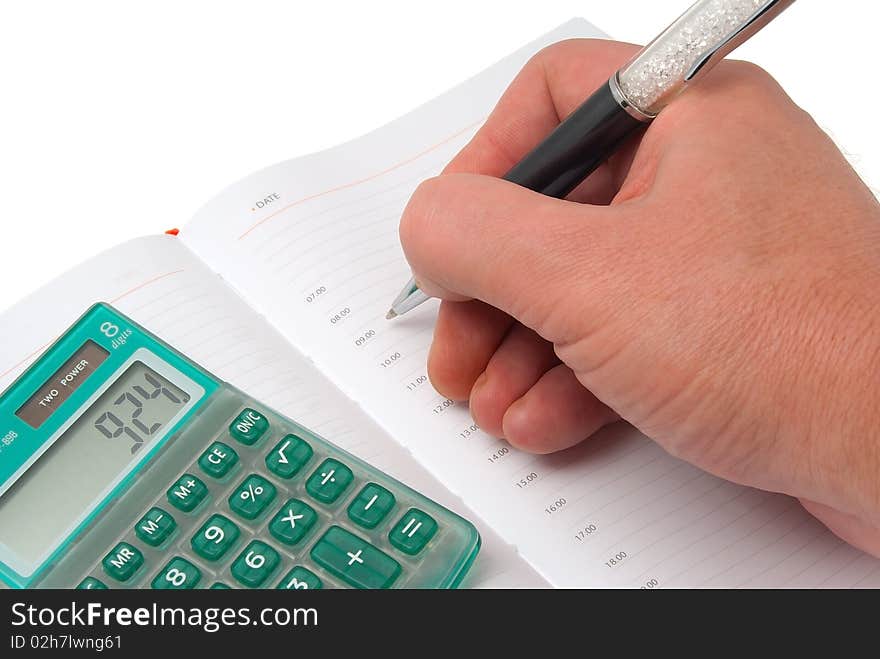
716, 284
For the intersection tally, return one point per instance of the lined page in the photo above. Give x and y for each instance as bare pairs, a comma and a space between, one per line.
164, 287
312, 243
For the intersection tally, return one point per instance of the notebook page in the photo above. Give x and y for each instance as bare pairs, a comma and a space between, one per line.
312, 243
163, 286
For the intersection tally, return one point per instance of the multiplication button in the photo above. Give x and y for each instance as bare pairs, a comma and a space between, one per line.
293, 521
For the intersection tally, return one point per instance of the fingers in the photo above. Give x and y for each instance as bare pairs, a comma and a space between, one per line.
550, 86
556, 413
465, 337
848, 528
518, 363
488, 239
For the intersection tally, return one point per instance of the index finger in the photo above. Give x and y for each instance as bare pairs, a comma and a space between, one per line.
550, 86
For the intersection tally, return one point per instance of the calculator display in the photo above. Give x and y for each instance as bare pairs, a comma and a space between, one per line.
95, 452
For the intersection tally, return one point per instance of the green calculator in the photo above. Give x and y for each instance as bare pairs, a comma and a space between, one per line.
124, 464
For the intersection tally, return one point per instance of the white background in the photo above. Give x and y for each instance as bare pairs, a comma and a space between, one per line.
121, 119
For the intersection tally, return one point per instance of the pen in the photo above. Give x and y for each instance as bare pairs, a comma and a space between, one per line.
685, 51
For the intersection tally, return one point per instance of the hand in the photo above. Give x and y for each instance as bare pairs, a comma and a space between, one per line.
716, 284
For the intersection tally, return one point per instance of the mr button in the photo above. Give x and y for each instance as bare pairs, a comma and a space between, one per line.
122, 561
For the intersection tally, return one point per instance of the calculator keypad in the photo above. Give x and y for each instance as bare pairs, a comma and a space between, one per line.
304, 523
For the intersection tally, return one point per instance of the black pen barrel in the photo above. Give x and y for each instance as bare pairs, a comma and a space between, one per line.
586, 138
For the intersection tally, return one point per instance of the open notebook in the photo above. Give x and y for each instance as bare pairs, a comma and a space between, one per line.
280, 286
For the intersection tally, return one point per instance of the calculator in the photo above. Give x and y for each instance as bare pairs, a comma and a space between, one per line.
124, 464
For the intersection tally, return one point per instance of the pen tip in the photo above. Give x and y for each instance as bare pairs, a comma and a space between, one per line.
391, 314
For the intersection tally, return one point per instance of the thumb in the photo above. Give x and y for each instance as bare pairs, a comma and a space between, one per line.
469, 236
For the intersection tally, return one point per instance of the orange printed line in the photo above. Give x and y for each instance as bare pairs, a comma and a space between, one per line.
23, 361
146, 283
113, 301
359, 181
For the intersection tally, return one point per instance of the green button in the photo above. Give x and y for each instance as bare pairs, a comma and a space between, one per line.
300, 578
219, 585
371, 506
215, 537
90, 583
155, 527
289, 456
187, 493
179, 574
255, 564
123, 561
249, 426
218, 460
252, 497
354, 560
293, 521
413, 531
329, 481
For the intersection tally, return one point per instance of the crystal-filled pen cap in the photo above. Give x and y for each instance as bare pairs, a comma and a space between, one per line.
702, 36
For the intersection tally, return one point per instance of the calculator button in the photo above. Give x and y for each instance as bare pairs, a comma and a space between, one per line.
300, 578
215, 537
218, 460
252, 497
187, 493
123, 561
179, 574
90, 583
355, 561
293, 521
413, 531
371, 506
219, 585
329, 481
155, 527
249, 427
289, 456
255, 564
